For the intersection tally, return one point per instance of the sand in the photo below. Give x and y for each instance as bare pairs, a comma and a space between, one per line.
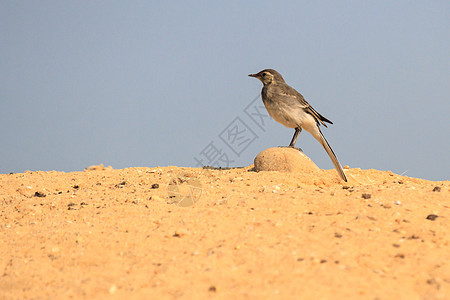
192, 233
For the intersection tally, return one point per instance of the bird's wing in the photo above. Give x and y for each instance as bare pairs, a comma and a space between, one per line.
291, 94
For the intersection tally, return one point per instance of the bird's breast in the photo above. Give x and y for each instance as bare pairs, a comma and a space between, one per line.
279, 113
290, 114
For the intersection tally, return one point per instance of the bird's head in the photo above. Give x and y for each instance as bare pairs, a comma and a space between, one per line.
268, 76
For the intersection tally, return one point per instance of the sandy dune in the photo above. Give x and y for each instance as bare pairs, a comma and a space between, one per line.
168, 233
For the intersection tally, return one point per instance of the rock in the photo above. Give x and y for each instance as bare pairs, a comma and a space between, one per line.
432, 217
98, 168
39, 194
284, 159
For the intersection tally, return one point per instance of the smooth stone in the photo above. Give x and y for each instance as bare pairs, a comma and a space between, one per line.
284, 159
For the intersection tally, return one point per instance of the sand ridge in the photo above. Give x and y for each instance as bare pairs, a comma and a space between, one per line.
172, 233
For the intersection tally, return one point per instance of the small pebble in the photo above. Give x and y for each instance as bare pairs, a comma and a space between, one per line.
413, 237
437, 189
366, 196
212, 289
155, 186
432, 217
39, 194
156, 198
180, 232
113, 289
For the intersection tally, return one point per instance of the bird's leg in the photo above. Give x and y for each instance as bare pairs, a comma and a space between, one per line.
294, 139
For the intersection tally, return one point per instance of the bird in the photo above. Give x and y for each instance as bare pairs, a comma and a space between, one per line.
288, 107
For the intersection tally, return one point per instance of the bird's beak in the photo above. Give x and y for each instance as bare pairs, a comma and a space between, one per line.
253, 75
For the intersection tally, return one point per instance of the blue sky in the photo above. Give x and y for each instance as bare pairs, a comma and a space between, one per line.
153, 83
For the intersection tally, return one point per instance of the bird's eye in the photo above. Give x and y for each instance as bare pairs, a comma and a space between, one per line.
264, 74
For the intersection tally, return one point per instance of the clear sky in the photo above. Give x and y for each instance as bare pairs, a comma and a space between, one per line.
158, 83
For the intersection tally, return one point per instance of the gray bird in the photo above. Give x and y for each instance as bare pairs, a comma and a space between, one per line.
288, 107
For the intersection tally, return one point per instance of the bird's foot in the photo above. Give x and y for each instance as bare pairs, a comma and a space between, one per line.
299, 149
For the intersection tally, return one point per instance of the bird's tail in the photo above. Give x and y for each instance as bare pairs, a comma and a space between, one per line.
331, 154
